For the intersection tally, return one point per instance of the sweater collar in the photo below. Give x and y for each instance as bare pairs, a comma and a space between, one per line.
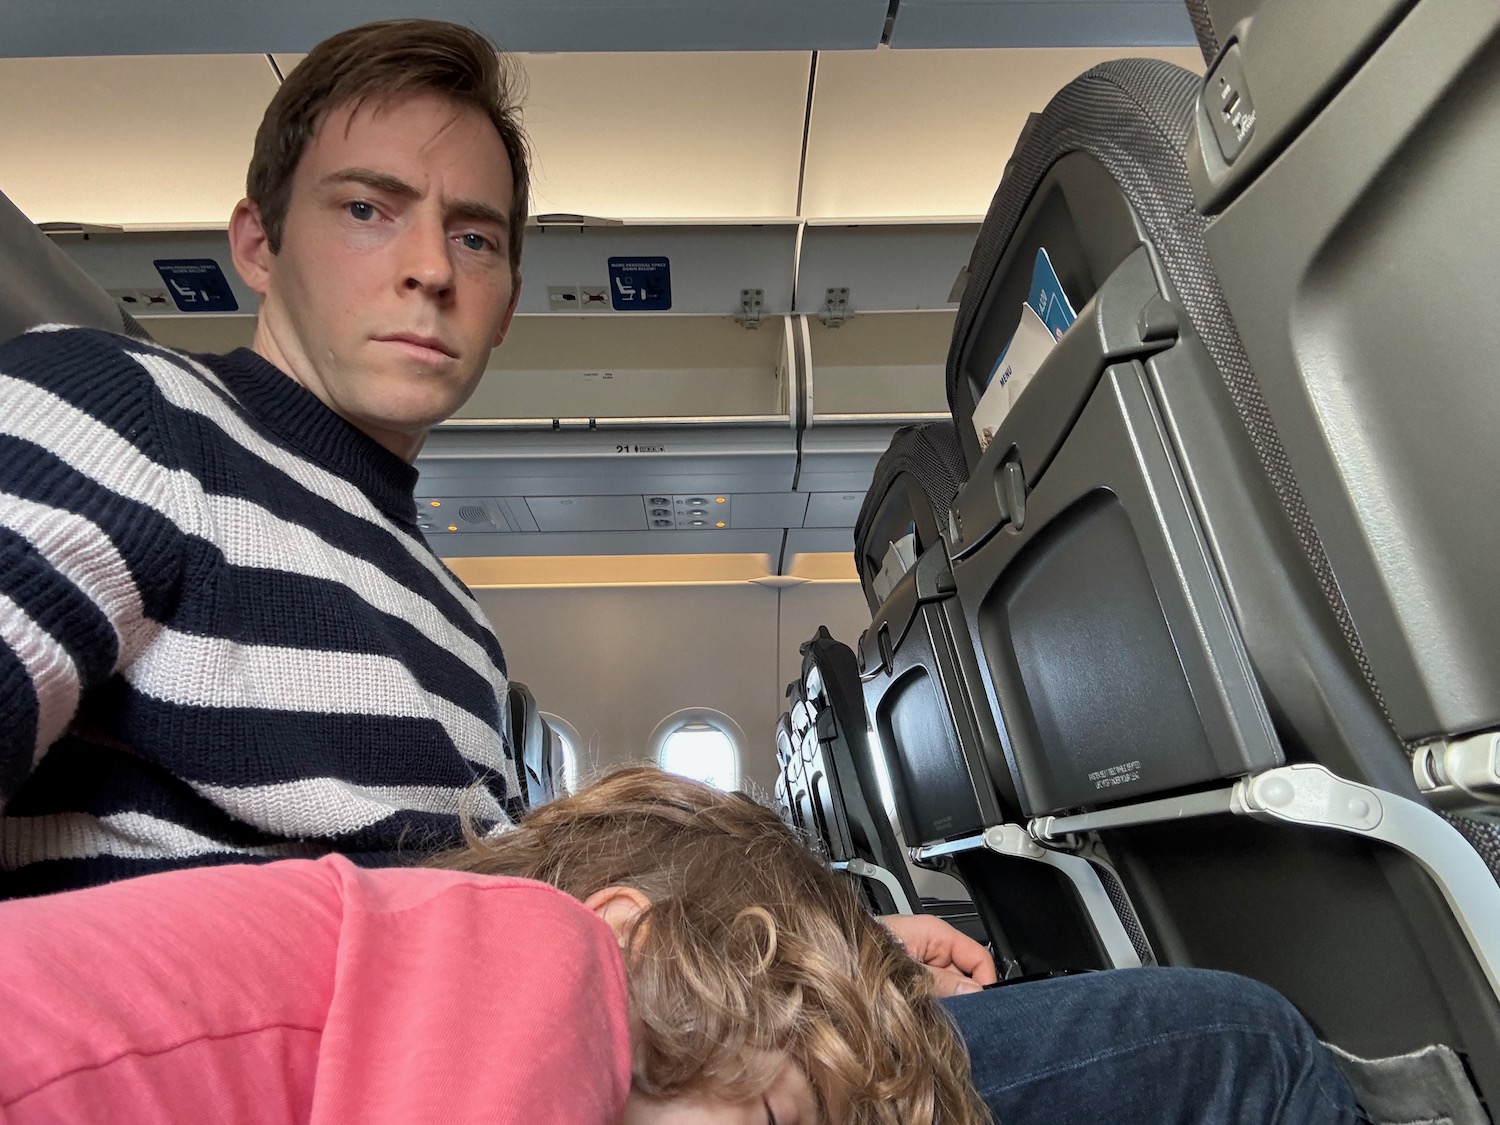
297, 416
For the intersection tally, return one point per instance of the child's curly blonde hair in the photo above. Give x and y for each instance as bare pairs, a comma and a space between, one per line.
752, 951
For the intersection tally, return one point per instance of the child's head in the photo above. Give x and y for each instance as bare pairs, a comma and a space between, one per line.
747, 954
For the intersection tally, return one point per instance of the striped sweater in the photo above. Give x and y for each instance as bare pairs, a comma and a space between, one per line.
222, 636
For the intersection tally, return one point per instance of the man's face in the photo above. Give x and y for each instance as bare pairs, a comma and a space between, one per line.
393, 282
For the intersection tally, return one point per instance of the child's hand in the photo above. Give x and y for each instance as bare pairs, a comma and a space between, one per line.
957, 962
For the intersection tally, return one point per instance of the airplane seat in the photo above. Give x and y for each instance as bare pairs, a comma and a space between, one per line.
800, 769
557, 762
924, 464
531, 739
1199, 645
39, 284
840, 777
950, 785
788, 773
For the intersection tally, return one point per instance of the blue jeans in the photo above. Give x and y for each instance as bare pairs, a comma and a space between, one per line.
1169, 1046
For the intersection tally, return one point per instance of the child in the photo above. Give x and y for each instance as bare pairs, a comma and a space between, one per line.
699, 965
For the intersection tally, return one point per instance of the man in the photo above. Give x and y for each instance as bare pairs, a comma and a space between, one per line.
222, 635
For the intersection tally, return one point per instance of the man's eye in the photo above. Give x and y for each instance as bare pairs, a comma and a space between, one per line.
472, 241
362, 211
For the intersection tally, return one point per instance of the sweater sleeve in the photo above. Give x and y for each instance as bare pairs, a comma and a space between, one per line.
311, 991
91, 536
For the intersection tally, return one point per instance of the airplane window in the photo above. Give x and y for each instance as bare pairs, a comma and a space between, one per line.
565, 742
700, 744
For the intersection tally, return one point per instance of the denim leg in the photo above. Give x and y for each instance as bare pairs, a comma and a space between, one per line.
1170, 1046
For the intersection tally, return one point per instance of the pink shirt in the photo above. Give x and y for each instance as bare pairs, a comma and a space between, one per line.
311, 991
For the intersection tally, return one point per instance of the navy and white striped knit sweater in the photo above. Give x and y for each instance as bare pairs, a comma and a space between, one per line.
222, 636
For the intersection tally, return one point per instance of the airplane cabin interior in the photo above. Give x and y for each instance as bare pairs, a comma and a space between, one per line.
1047, 449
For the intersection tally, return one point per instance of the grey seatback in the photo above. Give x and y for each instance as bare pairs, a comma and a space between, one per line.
39, 284
914, 485
800, 768
842, 774
1110, 542
1152, 621
942, 753
788, 772
532, 741
1357, 260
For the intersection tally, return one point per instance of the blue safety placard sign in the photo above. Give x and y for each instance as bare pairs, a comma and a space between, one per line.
197, 285
640, 284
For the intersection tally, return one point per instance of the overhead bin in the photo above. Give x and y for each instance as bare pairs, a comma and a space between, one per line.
879, 267
519, 25
869, 376
949, 23
137, 268
700, 269
925, 134
879, 367
707, 267
154, 139
674, 136
612, 368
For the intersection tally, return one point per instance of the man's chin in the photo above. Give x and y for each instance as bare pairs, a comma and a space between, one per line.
404, 425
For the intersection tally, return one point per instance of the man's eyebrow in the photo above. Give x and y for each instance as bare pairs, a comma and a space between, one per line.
471, 209
380, 181
478, 212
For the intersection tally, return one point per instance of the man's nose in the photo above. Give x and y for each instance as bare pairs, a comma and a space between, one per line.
426, 261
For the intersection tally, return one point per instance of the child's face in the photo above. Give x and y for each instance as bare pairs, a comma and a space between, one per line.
789, 1101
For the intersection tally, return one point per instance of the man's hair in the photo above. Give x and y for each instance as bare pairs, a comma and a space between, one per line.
751, 950
379, 63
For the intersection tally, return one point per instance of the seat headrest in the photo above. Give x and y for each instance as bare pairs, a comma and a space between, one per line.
39, 284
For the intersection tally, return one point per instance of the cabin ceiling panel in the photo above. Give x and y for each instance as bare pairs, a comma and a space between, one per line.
925, 134
769, 509
109, 27
138, 141
820, 541
1041, 23
588, 513
833, 509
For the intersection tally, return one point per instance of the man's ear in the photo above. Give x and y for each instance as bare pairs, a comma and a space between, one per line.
250, 247
619, 907
515, 297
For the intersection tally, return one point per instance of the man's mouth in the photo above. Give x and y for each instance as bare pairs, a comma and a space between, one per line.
428, 348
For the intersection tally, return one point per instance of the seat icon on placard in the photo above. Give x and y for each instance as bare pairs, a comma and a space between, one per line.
640, 284
197, 285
